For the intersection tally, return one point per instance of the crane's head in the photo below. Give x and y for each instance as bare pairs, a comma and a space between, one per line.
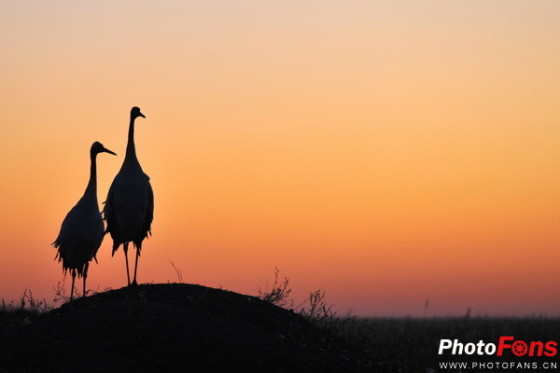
135, 113
98, 147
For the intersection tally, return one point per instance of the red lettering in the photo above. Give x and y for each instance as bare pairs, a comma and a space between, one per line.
550, 348
536, 348
502, 345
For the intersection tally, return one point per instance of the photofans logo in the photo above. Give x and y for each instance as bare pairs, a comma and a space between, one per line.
488, 356
506, 345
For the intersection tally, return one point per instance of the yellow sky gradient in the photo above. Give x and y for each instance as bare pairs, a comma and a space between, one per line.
386, 152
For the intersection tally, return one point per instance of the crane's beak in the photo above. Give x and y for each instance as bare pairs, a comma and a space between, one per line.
105, 150
142, 115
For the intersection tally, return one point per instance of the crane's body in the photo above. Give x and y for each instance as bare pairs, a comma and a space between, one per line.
129, 209
82, 229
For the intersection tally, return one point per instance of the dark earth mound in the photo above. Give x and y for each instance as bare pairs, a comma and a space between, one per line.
173, 327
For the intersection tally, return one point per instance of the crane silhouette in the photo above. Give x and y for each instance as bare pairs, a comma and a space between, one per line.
82, 230
129, 209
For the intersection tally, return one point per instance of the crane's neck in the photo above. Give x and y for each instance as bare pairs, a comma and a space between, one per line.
91, 190
130, 148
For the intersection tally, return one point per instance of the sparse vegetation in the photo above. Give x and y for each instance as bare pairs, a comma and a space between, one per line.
178, 272
27, 303
60, 291
279, 294
316, 309
16, 314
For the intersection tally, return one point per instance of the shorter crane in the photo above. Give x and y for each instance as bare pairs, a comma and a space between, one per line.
82, 230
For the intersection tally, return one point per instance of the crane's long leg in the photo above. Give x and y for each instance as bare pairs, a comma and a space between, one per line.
136, 266
73, 271
85, 276
125, 249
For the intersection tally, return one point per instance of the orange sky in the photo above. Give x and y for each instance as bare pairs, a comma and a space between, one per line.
385, 152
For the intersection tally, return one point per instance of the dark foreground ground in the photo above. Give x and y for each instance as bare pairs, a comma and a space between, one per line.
175, 328
191, 328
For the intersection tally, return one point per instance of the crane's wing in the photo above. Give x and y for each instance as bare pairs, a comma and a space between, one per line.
108, 209
109, 217
147, 224
147, 228
81, 234
69, 229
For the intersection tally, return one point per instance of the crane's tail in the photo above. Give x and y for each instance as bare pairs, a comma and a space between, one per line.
138, 245
115, 247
